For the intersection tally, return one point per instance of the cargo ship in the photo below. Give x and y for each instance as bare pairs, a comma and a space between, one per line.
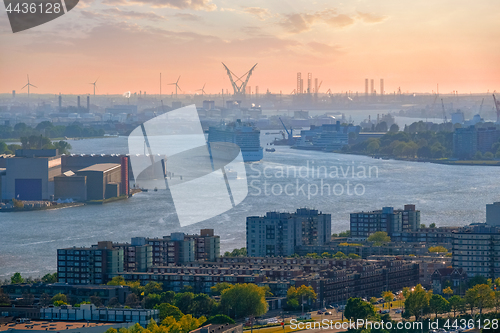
245, 136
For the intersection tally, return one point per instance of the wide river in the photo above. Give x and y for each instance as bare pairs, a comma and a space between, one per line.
445, 195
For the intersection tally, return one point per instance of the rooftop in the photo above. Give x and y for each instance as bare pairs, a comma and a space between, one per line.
104, 167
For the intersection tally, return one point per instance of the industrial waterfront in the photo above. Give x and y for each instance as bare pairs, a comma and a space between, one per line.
446, 195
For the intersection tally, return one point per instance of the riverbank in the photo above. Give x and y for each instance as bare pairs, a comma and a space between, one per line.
444, 161
52, 206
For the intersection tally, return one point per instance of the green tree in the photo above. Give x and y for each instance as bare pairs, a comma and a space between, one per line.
184, 301
49, 278
438, 249
132, 300
169, 310
219, 288
437, 304
117, 281
16, 278
432, 225
456, 304
151, 300
346, 233
394, 128
388, 296
353, 256
244, 300
325, 255
63, 147
153, 288
219, 319
60, 299
373, 300
448, 291
356, 308
379, 238
480, 296
296, 296
417, 302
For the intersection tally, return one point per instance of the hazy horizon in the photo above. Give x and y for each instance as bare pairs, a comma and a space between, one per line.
127, 43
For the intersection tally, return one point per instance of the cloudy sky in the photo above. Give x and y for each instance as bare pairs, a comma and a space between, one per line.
127, 43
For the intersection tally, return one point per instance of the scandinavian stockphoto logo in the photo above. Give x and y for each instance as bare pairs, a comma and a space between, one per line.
26, 14
170, 152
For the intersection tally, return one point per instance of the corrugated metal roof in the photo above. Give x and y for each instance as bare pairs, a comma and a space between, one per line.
103, 167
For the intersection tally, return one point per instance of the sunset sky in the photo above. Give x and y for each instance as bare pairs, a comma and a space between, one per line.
127, 43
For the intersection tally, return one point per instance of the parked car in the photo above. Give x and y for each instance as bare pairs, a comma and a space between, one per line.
319, 312
398, 311
328, 313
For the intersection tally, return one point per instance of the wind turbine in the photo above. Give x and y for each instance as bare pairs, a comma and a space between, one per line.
28, 85
176, 86
202, 90
94, 84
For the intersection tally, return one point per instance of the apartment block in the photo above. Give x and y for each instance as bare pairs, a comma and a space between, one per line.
277, 234
333, 280
363, 224
89, 265
476, 249
181, 248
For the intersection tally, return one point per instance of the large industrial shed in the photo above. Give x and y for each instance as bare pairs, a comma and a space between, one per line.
30, 174
103, 180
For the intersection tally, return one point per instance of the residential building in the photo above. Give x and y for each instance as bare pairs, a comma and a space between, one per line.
89, 265
438, 235
181, 248
465, 142
363, 224
75, 293
90, 312
277, 234
493, 214
486, 137
476, 249
455, 278
334, 280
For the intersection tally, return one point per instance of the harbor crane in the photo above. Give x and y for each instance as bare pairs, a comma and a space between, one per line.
497, 106
444, 112
239, 83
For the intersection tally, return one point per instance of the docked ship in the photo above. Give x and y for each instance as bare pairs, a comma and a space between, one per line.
245, 136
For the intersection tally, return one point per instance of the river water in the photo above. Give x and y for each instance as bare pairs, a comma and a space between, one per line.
446, 195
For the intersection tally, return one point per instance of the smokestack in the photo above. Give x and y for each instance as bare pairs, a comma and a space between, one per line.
13, 94
78, 101
309, 83
381, 86
366, 87
257, 91
60, 102
372, 86
88, 103
299, 80
316, 85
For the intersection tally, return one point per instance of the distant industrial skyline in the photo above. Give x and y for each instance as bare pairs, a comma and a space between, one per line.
127, 43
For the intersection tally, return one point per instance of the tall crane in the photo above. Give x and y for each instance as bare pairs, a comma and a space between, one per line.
239, 83
481, 107
444, 112
497, 106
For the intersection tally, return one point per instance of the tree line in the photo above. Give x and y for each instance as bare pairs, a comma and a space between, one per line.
47, 129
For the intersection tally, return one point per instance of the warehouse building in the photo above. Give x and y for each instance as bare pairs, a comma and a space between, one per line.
103, 180
29, 175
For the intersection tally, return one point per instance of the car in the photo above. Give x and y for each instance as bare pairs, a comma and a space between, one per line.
324, 309
398, 311
319, 312
385, 311
328, 313
330, 307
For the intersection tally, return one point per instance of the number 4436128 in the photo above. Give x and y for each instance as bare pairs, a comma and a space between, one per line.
471, 323
33, 8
